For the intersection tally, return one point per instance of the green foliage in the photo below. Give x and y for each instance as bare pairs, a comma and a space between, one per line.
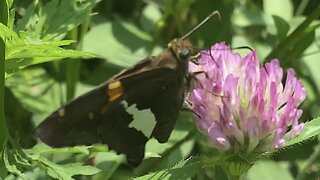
311, 129
41, 47
182, 170
268, 170
16, 160
4, 9
21, 51
113, 48
54, 18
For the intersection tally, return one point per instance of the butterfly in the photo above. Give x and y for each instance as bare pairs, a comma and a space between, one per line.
128, 109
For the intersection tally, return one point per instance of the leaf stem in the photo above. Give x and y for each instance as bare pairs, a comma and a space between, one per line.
74, 65
72, 70
4, 13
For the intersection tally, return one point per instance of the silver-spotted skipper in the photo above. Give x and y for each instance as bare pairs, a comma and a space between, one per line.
154, 88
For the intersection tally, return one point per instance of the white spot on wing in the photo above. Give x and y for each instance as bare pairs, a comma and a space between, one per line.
61, 112
143, 120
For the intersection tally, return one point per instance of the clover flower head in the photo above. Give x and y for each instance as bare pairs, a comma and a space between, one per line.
241, 105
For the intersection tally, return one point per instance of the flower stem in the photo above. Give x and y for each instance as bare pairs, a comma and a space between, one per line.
232, 177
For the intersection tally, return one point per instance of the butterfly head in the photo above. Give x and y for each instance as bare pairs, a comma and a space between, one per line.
181, 48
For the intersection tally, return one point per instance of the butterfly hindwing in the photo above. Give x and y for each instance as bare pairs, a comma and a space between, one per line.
71, 124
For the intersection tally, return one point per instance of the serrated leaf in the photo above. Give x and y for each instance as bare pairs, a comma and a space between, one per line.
21, 160
15, 160
26, 20
54, 18
20, 157
21, 51
79, 168
3, 169
311, 129
44, 149
183, 170
11, 167
26, 55
33, 44
66, 171
28, 85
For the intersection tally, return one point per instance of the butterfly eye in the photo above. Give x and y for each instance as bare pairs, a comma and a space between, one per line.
184, 54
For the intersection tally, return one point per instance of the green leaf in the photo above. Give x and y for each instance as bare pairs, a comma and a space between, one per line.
268, 170
281, 50
20, 159
283, 8
251, 18
11, 167
44, 149
66, 171
15, 160
120, 42
179, 146
311, 129
306, 39
150, 16
26, 55
311, 63
282, 27
3, 169
183, 170
27, 20
36, 91
21, 51
108, 162
54, 18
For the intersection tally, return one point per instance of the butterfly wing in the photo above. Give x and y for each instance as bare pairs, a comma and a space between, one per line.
106, 113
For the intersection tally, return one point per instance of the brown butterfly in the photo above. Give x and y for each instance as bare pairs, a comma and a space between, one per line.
124, 112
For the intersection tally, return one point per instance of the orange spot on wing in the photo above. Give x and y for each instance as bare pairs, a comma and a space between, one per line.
115, 90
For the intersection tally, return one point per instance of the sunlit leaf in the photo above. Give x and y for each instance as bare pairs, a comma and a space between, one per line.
120, 42
311, 129
54, 18
183, 170
65, 171
269, 170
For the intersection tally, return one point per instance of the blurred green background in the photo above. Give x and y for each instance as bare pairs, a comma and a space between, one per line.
122, 32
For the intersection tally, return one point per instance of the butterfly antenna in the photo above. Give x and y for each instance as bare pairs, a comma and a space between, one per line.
243, 47
201, 23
